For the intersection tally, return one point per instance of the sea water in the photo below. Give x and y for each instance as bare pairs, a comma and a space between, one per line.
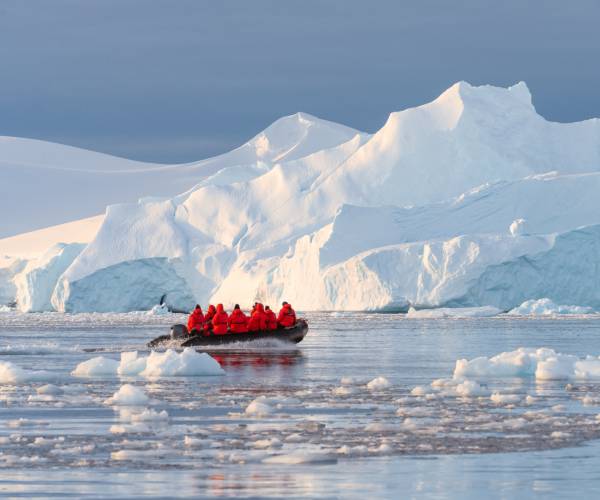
337, 415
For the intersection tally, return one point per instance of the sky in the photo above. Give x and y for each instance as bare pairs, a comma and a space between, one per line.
176, 80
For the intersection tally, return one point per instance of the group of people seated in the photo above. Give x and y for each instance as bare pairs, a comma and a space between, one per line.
216, 321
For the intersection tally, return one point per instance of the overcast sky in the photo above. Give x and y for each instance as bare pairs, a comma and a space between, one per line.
178, 80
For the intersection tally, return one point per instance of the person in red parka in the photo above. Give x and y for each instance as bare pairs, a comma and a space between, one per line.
271, 319
258, 320
238, 321
210, 312
287, 316
196, 320
219, 321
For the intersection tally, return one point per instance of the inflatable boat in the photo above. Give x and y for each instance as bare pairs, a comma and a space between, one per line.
180, 335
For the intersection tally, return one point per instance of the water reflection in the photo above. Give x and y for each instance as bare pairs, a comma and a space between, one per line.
243, 359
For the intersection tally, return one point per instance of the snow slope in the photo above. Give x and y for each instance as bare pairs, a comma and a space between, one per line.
63, 183
471, 200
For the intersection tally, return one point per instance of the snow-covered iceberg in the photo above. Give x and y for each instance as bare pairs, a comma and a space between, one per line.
471, 200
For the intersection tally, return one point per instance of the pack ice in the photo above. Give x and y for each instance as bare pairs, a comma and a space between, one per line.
471, 200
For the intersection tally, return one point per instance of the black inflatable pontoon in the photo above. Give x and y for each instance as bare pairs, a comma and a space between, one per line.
179, 333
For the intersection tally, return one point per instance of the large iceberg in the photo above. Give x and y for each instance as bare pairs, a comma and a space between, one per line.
471, 200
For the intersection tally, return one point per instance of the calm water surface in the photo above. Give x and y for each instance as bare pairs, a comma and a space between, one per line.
231, 452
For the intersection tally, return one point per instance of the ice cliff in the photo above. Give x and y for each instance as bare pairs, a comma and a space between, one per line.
470, 200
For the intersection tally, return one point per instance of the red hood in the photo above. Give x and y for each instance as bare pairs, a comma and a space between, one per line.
260, 308
220, 308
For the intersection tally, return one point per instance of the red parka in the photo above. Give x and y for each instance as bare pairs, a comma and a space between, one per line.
271, 319
210, 312
196, 320
258, 320
238, 321
287, 316
219, 321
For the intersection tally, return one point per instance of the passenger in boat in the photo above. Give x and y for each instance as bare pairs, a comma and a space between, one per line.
238, 321
258, 320
196, 320
287, 316
219, 321
271, 319
210, 312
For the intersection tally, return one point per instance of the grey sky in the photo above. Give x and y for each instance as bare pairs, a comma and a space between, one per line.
179, 80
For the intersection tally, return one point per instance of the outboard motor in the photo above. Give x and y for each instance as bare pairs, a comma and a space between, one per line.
178, 331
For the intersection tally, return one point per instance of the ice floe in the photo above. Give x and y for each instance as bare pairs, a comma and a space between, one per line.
128, 395
170, 363
546, 307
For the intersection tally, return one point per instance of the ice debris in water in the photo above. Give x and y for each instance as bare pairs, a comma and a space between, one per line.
166, 364
542, 364
14, 374
259, 407
142, 415
128, 395
379, 383
50, 389
546, 307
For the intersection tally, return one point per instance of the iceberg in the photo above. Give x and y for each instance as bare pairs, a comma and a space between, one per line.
470, 201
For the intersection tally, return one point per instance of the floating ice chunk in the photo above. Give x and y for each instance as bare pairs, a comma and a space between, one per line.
529, 400
419, 391
381, 427
185, 364
98, 366
74, 450
144, 415
267, 443
138, 427
470, 388
378, 384
543, 364
559, 367
131, 364
560, 435
14, 374
357, 450
382, 449
519, 363
343, 390
589, 400
502, 399
443, 382
192, 442
133, 454
49, 389
299, 438
348, 381
19, 422
546, 307
128, 395
188, 363
43, 441
259, 407
40, 398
